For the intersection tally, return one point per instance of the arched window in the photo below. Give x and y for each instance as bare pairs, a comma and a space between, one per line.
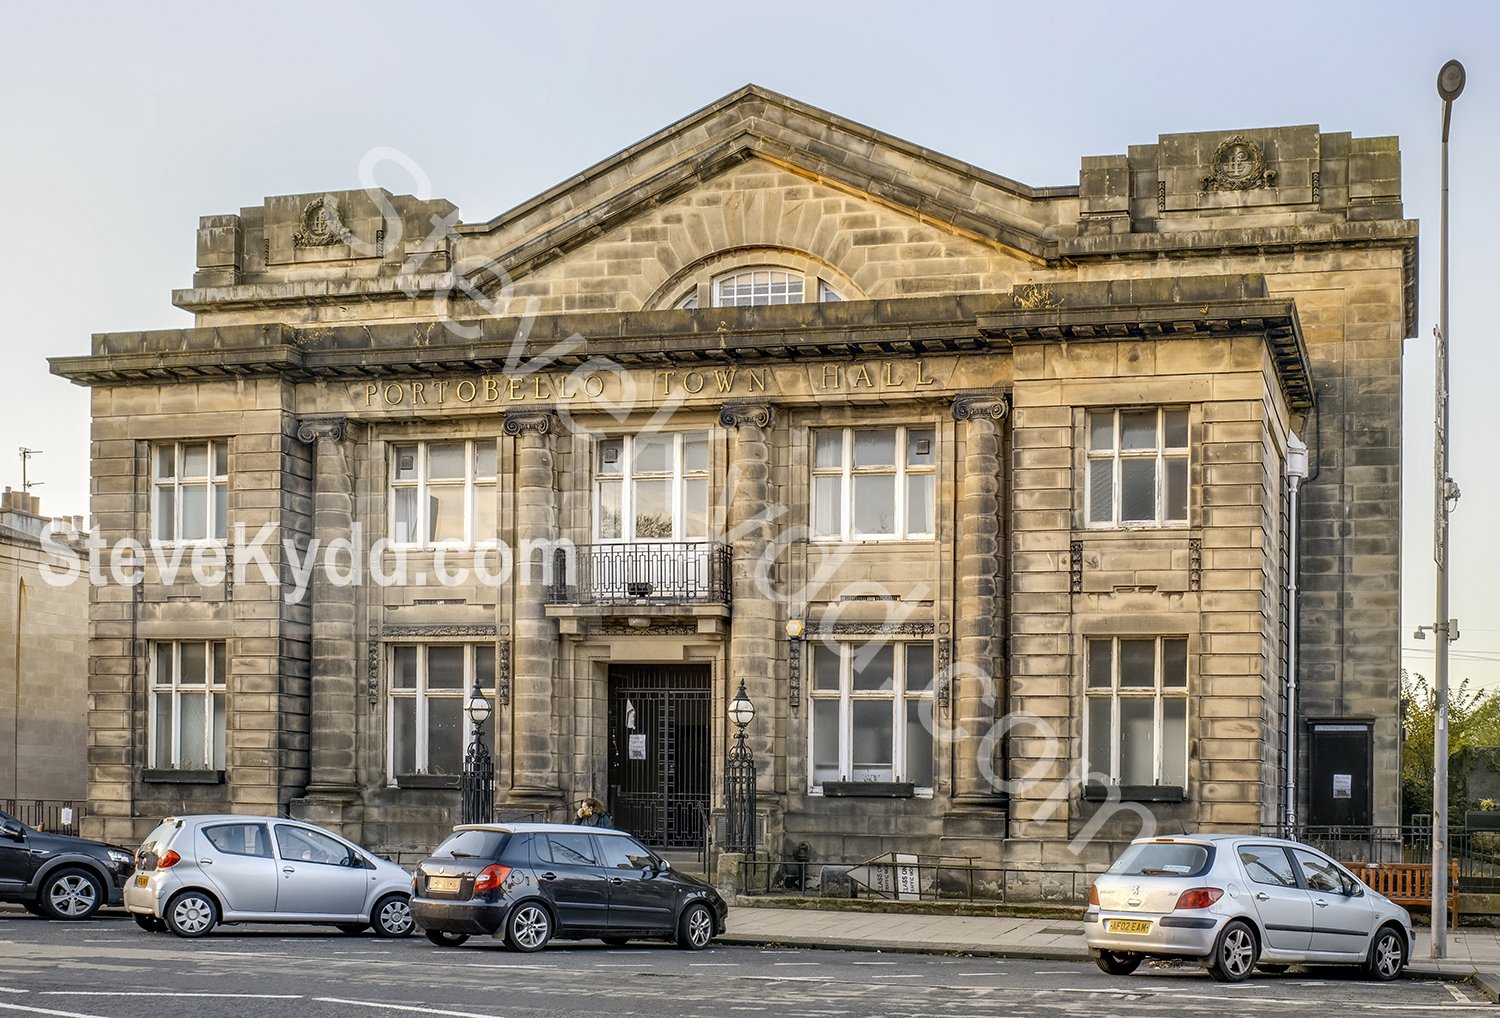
757, 287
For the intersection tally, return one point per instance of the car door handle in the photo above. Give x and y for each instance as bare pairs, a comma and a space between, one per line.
289, 869
1262, 896
549, 876
616, 881
1321, 903
205, 862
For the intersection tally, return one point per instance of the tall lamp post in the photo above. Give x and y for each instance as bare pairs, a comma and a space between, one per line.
739, 780
478, 782
1450, 83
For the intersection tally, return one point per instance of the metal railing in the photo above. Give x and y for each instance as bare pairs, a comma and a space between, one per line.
1476, 852
916, 878
61, 816
641, 573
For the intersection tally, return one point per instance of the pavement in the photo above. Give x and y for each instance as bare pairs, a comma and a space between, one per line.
1473, 952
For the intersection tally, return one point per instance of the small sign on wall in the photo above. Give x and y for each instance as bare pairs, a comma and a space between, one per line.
1343, 786
638, 745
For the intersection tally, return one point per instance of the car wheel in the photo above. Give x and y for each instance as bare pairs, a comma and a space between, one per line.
696, 928
1234, 954
71, 894
191, 914
392, 916
1274, 970
1387, 955
529, 927
1117, 963
616, 941
149, 923
352, 929
442, 938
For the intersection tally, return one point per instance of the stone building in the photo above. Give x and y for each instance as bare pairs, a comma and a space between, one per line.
44, 665
981, 489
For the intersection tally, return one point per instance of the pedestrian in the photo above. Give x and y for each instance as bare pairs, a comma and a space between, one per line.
591, 813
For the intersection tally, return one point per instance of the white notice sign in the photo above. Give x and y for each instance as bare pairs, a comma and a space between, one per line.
638, 746
1343, 786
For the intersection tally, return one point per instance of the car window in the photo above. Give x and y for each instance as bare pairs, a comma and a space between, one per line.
297, 844
1322, 874
626, 853
1162, 859
1268, 864
473, 845
572, 849
232, 839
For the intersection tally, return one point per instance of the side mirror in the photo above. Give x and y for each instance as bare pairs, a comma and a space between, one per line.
12, 830
665, 864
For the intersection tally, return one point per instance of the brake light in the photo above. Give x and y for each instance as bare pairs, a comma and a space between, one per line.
490, 878
1199, 897
1093, 894
167, 858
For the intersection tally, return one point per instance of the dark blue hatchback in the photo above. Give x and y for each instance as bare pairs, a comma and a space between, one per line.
531, 883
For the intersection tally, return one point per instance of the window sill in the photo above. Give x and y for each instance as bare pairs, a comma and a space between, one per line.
427, 780
173, 776
1135, 793
870, 789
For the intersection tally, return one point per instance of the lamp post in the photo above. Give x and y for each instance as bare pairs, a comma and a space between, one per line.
739, 780
1450, 83
478, 781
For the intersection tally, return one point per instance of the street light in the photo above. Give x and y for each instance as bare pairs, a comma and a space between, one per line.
739, 780
1450, 83
478, 781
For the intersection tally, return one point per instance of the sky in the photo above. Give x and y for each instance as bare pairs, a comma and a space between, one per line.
122, 124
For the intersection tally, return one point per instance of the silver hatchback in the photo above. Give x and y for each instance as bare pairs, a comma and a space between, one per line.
1234, 903
195, 872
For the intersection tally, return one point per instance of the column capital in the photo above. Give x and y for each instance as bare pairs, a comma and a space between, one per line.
518, 422
310, 429
974, 405
734, 415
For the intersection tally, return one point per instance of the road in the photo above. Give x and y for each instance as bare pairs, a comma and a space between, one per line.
110, 969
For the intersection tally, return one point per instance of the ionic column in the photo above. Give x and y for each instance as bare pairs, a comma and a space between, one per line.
333, 780
976, 686
753, 648
534, 741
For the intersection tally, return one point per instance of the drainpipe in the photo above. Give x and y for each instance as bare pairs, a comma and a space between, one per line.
1296, 470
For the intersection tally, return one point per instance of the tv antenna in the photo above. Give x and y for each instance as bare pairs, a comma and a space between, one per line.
26, 482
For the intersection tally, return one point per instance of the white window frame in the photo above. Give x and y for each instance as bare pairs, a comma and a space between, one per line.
846, 472
215, 708
846, 696
755, 276
678, 476
215, 485
422, 695
475, 486
1112, 459
1158, 692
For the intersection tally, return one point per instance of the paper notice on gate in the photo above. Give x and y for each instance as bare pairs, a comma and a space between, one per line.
638, 746
1343, 786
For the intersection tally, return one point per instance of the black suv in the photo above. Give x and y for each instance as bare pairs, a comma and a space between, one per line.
56, 875
529, 883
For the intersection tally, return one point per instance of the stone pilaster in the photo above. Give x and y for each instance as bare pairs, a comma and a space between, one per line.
976, 691
333, 796
534, 742
753, 647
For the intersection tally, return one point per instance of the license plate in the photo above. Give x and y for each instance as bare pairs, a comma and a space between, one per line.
444, 884
1128, 926
140, 880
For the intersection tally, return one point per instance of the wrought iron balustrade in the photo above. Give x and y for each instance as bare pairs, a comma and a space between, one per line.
641, 573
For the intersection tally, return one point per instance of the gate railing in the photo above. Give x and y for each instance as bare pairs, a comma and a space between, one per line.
667, 572
915, 878
61, 816
1476, 852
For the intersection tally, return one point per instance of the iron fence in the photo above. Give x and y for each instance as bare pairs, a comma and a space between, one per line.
61, 816
642, 573
915, 878
1477, 852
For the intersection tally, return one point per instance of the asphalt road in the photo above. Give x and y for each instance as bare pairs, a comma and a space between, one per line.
108, 968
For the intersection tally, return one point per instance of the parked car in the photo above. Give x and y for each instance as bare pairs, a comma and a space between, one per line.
56, 875
531, 883
1235, 903
194, 872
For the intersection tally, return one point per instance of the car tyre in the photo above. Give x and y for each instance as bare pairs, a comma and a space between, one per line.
71, 893
695, 930
1274, 970
442, 938
351, 929
149, 923
529, 927
1234, 953
616, 941
1117, 963
191, 914
391, 917
1387, 955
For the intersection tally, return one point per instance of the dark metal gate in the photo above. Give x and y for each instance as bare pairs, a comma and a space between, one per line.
659, 739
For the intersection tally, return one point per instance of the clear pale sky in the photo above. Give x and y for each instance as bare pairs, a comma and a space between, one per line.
122, 126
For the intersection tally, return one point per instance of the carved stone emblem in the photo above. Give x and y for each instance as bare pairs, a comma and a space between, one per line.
1239, 165
977, 406
735, 415
518, 422
321, 225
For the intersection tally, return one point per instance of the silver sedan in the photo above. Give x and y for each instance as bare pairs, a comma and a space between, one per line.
1234, 903
195, 872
